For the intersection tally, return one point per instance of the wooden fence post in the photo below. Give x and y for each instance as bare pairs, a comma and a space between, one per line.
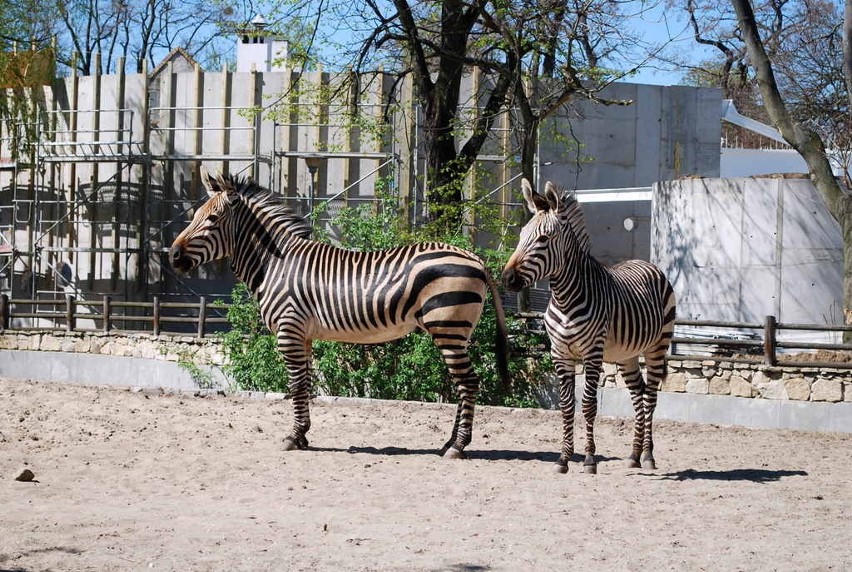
69, 313
202, 316
107, 311
4, 312
769, 329
155, 322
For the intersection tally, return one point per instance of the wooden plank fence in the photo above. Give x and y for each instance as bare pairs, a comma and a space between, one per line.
744, 342
142, 316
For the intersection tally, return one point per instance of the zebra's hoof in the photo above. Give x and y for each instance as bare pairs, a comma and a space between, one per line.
453, 453
649, 464
590, 469
632, 463
560, 468
291, 444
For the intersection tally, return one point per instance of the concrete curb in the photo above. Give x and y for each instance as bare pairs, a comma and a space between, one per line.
165, 377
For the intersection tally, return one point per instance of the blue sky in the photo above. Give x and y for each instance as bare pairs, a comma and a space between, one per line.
661, 25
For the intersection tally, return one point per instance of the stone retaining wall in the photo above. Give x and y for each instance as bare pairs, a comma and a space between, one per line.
710, 377
706, 377
165, 347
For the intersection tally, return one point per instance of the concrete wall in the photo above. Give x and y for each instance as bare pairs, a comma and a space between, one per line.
742, 249
133, 360
667, 132
706, 391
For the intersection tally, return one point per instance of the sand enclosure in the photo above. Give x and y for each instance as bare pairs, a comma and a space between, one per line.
131, 481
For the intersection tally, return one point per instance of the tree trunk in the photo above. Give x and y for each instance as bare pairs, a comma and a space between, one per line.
807, 143
847, 50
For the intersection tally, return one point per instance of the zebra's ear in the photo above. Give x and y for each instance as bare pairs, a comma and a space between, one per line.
211, 184
552, 196
535, 202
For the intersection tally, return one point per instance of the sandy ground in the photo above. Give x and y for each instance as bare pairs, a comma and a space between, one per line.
129, 481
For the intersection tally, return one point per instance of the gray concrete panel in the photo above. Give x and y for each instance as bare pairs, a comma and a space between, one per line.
757, 287
726, 410
92, 369
648, 151
612, 242
99, 370
740, 249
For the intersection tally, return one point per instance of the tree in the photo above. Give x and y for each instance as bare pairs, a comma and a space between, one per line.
136, 30
437, 46
25, 24
533, 56
554, 53
803, 139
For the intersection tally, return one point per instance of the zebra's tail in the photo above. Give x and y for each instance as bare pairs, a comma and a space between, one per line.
501, 342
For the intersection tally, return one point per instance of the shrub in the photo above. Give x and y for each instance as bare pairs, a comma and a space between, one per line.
254, 362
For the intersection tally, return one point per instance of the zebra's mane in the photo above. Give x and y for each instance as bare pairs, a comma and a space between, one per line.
572, 213
270, 208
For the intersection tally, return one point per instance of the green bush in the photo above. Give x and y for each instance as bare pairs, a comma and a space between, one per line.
410, 368
254, 362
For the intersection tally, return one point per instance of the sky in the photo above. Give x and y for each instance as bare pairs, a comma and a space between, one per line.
659, 26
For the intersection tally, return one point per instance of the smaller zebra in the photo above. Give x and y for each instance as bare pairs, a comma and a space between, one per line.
308, 290
596, 314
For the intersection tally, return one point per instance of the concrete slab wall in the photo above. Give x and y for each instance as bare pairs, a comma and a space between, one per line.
665, 133
91, 369
742, 249
705, 391
94, 369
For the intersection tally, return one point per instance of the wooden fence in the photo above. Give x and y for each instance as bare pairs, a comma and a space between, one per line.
721, 341
746, 342
155, 317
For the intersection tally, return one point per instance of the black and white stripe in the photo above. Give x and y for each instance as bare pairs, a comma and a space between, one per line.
596, 313
309, 290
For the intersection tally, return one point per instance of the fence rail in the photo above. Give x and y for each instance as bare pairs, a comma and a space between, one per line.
746, 342
106, 315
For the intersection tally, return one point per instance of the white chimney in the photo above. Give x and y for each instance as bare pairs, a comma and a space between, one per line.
260, 50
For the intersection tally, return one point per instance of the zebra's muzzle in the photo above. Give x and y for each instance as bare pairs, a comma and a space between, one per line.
179, 260
512, 280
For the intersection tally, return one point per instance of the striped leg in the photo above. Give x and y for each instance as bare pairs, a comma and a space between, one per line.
467, 387
297, 355
656, 372
565, 373
593, 366
632, 377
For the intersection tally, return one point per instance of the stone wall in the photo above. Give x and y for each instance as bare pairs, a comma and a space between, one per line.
704, 377
710, 377
165, 347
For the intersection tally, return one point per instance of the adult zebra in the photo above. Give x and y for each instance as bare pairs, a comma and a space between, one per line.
308, 290
595, 314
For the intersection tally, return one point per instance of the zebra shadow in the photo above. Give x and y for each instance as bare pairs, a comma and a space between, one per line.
543, 456
751, 475
476, 454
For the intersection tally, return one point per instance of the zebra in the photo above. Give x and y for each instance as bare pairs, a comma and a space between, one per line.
309, 290
595, 314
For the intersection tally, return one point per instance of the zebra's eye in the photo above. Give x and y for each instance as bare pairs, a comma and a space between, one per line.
213, 219
543, 239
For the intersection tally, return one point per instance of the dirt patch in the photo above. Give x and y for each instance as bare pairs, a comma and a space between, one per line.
128, 481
